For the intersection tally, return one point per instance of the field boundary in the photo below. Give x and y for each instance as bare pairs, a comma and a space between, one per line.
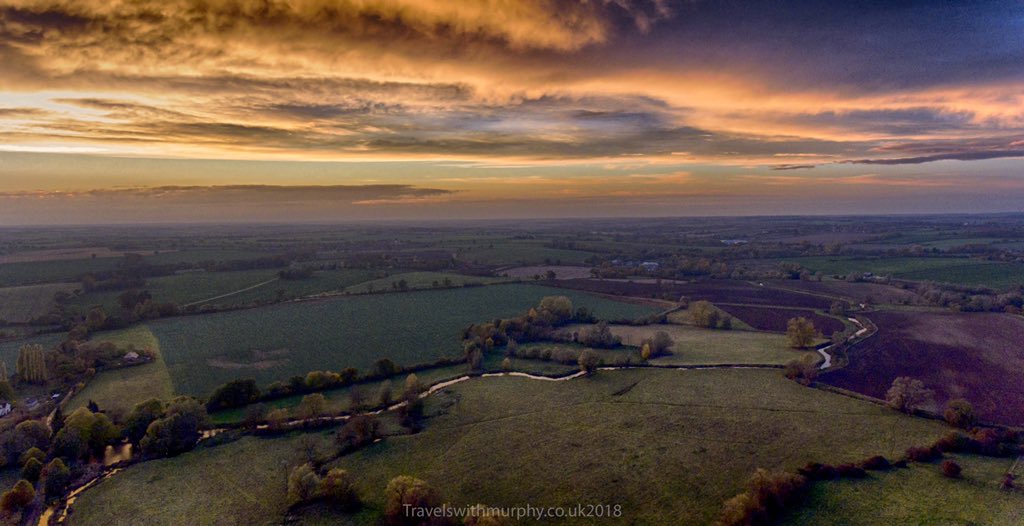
229, 294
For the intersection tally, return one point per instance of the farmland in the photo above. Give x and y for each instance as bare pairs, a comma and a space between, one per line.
667, 445
973, 356
776, 318
421, 280
696, 346
963, 271
918, 495
276, 342
718, 292
22, 304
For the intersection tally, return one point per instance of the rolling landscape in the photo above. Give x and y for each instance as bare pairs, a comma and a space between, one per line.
497, 262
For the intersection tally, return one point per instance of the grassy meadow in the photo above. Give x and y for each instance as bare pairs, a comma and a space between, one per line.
667, 445
917, 495
698, 346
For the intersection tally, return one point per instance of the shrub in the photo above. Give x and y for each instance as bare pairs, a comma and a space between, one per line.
303, 485
951, 469
851, 471
923, 454
876, 463
803, 371
817, 471
959, 413
767, 497
955, 442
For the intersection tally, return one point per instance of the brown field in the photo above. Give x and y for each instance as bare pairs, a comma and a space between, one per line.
561, 272
57, 254
974, 356
715, 291
876, 293
776, 319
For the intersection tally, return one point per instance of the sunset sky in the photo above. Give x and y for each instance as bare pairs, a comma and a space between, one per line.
125, 111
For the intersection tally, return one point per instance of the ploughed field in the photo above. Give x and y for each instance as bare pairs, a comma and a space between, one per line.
974, 356
667, 445
715, 291
776, 319
273, 343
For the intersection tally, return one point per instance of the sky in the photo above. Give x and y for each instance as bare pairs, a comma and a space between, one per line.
128, 111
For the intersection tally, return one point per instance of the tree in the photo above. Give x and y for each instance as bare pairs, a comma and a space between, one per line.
18, 498
31, 434
235, 393
413, 387
32, 453
32, 470
143, 414
959, 413
357, 432
588, 361
303, 485
31, 366
658, 344
311, 406
600, 335
559, 308
384, 394
6, 391
839, 308
56, 477
85, 433
403, 495
907, 394
645, 351
506, 364
704, 314
276, 419
384, 367
800, 332
339, 490
178, 431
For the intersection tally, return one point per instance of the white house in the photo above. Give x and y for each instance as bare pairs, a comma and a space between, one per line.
5, 409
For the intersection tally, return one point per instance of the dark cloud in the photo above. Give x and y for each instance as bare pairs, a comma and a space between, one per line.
244, 194
951, 156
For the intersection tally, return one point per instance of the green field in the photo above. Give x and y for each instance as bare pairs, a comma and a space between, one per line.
962, 271
697, 346
420, 280
668, 446
918, 495
118, 390
22, 304
273, 343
